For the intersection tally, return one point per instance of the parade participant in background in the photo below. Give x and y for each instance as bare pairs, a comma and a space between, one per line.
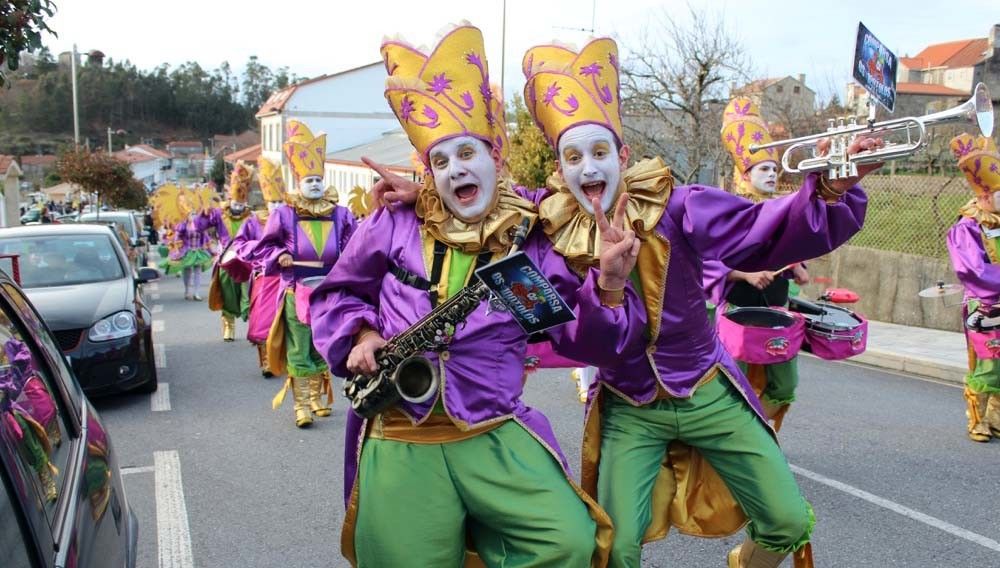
472, 464
225, 294
974, 247
755, 177
302, 239
264, 289
679, 384
190, 247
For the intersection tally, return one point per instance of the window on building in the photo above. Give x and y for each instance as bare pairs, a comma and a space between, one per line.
780, 88
796, 89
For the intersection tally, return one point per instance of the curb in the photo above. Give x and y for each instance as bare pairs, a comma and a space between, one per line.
913, 365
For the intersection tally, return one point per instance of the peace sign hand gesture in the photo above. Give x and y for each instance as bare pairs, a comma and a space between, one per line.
391, 189
619, 246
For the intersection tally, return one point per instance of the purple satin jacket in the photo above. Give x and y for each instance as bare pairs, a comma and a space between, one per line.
980, 277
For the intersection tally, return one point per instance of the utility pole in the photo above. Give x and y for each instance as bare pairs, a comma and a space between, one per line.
76, 112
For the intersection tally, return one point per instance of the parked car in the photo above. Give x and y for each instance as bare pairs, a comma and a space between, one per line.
81, 280
131, 222
32, 215
62, 500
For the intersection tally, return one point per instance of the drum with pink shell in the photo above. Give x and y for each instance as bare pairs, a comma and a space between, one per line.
835, 333
984, 335
761, 335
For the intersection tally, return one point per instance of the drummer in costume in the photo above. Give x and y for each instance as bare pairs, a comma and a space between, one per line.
263, 294
755, 177
974, 246
302, 239
474, 463
225, 293
666, 423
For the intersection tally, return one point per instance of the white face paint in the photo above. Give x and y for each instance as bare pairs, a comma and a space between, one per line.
465, 176
237, 207
764, 177
272, 205
995, 200
312, 187
590, 165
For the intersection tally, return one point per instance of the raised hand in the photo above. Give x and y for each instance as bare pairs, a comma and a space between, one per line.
619, 245
859, 144
391, 188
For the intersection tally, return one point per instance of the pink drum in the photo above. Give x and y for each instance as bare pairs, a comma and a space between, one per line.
232, 264
984, 335
541, 356
835, 333
761, 336
263, 307
303, 290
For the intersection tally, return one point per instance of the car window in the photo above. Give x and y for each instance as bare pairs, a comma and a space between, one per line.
32, 421
13, 534
64, 260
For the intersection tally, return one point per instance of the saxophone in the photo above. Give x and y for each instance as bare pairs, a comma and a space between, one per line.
403, 371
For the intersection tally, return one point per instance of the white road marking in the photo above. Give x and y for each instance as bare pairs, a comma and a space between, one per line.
160, 355
173, 535
897, 508
157, 308
136, 469
160, 401
157, 326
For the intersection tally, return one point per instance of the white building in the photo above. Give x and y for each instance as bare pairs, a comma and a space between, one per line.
349, 107
344, 170
149, 165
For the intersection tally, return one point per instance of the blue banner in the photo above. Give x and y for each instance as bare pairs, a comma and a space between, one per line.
529, 296
875, 68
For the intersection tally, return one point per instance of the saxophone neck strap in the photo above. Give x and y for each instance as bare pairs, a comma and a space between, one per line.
430, 286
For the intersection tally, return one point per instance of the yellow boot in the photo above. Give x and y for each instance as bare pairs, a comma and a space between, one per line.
751, 555
300, 390
975, 409
319, 385
993, 415
265, 369
228, 327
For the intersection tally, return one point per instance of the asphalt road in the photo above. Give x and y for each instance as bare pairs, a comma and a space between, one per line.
883, 459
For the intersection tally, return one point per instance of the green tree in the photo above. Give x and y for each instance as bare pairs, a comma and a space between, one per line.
21, 25
219, 172
530, 160
97, 172
258, 82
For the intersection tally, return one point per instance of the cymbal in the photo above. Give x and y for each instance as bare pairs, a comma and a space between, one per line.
941, 290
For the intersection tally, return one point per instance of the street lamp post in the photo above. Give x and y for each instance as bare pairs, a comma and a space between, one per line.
110, 132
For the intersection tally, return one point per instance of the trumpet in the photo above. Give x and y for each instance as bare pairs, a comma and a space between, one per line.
977, 110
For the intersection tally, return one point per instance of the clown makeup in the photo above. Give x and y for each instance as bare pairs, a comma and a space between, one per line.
465, 175
591, 165
237, 207
763, 177
312, 187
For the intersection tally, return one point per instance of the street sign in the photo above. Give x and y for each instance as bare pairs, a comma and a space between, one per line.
875, 68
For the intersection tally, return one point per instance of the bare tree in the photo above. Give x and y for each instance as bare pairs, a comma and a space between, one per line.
675, 88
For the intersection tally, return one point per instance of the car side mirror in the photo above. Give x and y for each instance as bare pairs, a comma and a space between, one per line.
147, 274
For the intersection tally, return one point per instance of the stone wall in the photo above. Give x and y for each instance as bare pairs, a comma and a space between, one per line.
888, 283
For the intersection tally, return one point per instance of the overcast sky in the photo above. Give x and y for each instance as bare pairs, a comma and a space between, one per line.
312, 37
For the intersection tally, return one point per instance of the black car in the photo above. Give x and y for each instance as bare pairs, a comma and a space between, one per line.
80, 279
62, 501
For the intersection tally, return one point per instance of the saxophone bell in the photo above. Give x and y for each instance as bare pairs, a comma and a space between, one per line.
416, 379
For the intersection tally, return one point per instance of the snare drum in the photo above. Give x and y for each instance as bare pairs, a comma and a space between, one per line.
236, 268
303, 291
836, 333
984, 335
760, 335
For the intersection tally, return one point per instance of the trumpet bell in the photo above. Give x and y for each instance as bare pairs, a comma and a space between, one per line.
983, 108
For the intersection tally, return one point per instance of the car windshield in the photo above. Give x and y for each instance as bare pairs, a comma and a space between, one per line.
64, 260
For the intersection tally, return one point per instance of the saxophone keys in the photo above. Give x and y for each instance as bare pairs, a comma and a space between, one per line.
445, 355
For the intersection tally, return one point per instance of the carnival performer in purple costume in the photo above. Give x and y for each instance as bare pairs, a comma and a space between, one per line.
679, 384
191, 247
264, 289
473, 463
225, 293
974, 247
302, 239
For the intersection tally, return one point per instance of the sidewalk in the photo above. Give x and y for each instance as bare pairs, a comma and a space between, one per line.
917, 351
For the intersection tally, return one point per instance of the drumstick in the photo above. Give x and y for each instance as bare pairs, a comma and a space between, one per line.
308, 263
777, 272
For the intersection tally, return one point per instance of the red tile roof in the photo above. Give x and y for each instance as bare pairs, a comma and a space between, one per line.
38, 160
928, 89
952, 54
150, 150
248, 154
5, 162
133, 157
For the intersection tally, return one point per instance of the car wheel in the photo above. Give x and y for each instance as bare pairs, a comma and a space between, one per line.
151, 384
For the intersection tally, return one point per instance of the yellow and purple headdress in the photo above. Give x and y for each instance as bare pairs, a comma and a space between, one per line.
566, 88
306, 154
979, 161
742, 126
239, 181
444, 93
272, 183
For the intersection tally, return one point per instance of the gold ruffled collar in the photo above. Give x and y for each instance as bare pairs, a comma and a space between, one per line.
988, 219
322, 207
492, 232
573, 231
